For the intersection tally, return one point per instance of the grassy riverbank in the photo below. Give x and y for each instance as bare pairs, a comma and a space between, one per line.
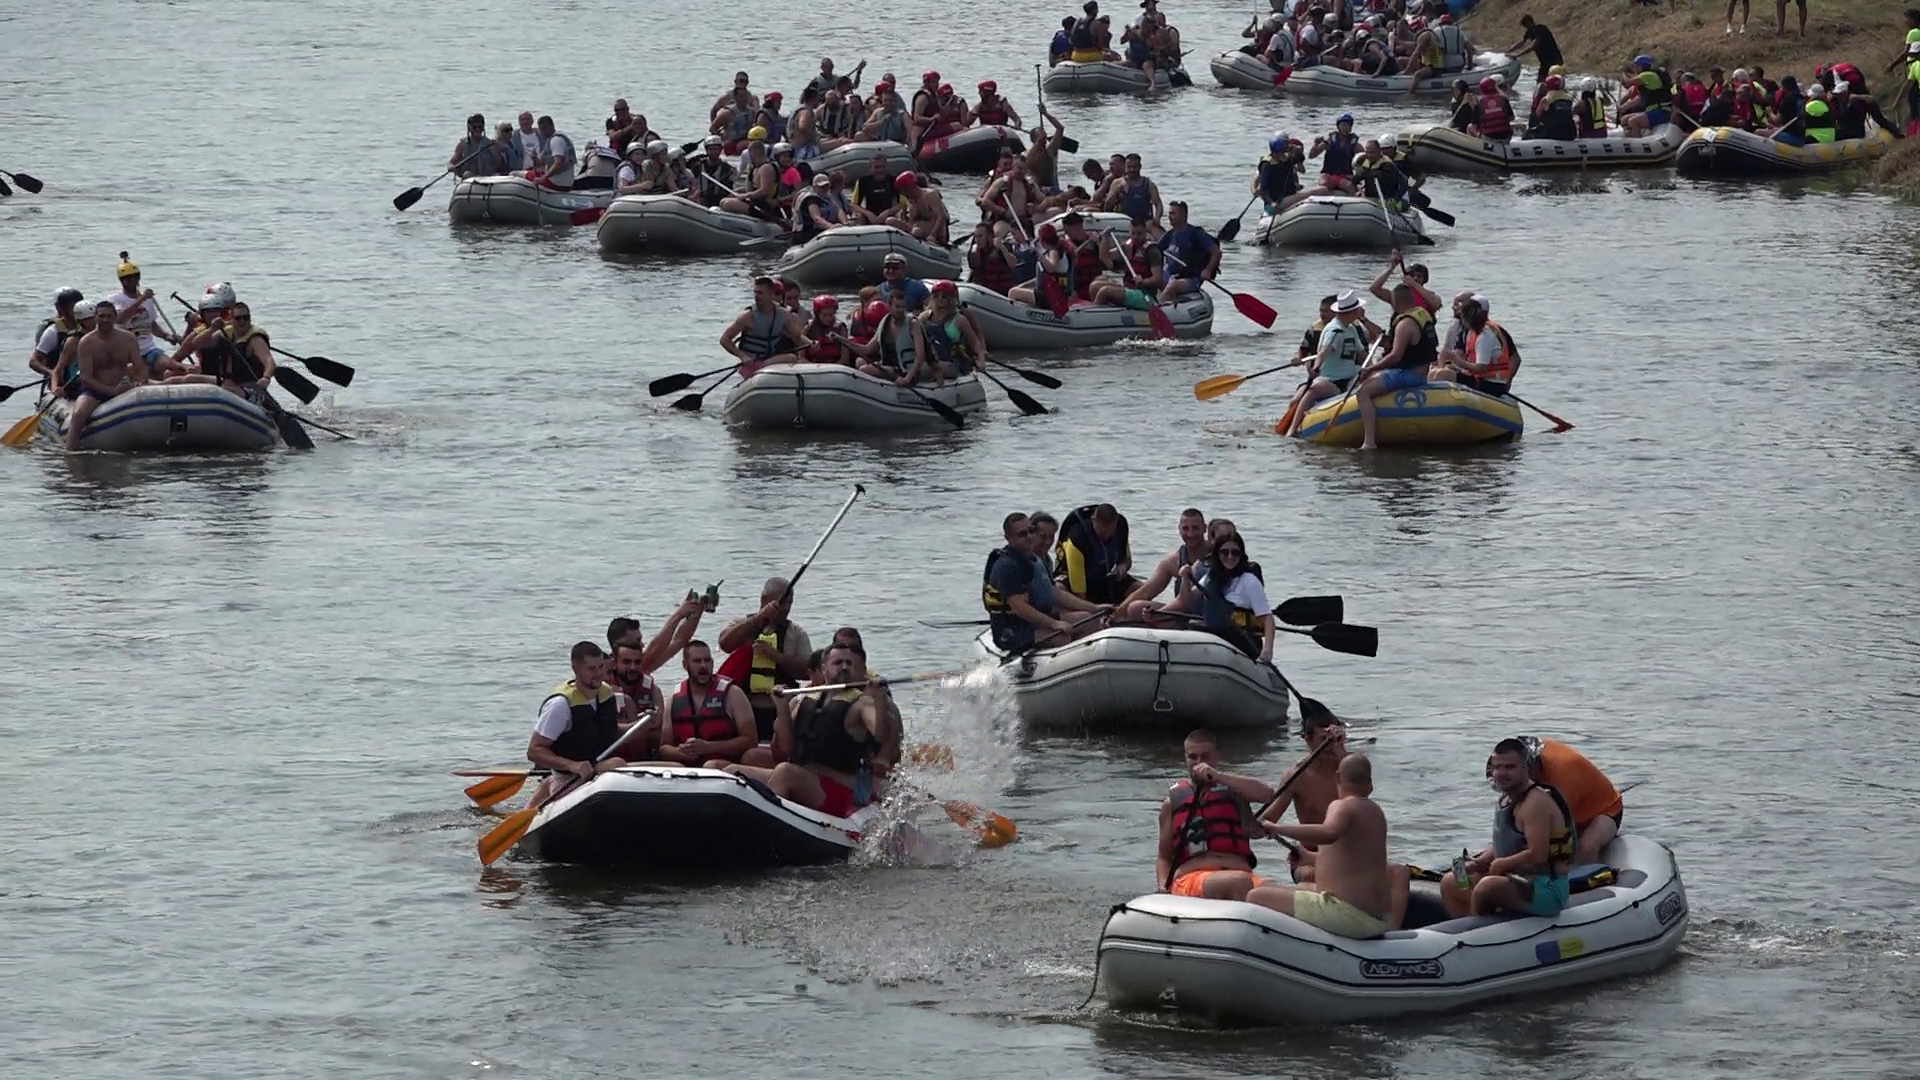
1600, 36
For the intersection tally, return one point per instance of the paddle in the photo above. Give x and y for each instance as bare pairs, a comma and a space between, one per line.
1333, 636
331, 370
669, 384
412, 195
1035, 377
295, 383
1424, 203
1293, 406
502, 837
24, 429
1232, 228
335, 432
1020, 398
1221, 385
26, 181
1422, 238
1070, 145
739, 662
5, 191
586, 215
1559, 425
996, 830
1156, 315
1251, 306
8, 391
691, 402
1193, 807
946, 411
496, 789
291, 432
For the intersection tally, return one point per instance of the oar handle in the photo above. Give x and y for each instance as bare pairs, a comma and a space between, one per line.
828, 688
858, 490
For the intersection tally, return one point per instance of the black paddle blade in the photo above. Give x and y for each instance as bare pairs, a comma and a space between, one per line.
331, 370
947, 413
297, 384
1313, 710
1070, 144
671, 384
291, 432
952, 623
4, 189
26, 180
1311, 610
1034, 377
407, 198
7, 391
1346, 638
690, 403
1024, 402
1228, 231
1440, 216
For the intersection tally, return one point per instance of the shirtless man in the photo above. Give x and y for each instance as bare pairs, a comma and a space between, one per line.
925, 213
1206, 828
109, 361
1353, 895
1194, 546
1312, 787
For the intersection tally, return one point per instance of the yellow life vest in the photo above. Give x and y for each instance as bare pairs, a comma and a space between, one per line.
764, 675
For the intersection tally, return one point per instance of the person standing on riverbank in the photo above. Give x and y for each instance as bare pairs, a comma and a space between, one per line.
1538, 40
1780, 17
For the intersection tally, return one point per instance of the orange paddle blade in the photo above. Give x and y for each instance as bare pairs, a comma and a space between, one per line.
495, 789
993, 829
501, 838
1286, 419
931, 756
1215, 386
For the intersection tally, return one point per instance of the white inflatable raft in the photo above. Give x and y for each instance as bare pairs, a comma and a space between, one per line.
683, 817
972, 150
1095, 221
1010, 325
1333, 82
515, 200
856, 159
1243, 71
851, 254
1338, 221
1241, 962
1441, 149
837, 397
181, 417
1131, 677
673, 225
1103, 77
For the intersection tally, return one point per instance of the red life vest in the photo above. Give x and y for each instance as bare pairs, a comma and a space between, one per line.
1136, 251
1214, 826
708, 720
990, 271
1496, 116
858, 330
994, 114
1087, 265
824, 349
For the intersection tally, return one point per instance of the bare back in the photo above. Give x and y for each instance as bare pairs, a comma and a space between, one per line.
1354, 867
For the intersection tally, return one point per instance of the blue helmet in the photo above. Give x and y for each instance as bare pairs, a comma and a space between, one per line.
1278, 144
1643, 61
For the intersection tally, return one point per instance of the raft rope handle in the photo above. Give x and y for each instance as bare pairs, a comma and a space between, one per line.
1095, 988
1160, 702
799, 401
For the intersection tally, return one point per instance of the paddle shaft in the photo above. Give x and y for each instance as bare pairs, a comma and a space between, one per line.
787, 593
422, 189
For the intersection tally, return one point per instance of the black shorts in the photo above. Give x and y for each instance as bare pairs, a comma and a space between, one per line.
1496, 389
763, 717
1339, 384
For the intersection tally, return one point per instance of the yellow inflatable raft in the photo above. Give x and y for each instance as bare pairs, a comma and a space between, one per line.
1732, 152
1437, 414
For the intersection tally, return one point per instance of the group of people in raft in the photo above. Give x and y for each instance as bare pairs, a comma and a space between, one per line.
832, 751
1148, 43
93, 351
1555, 811
1416, 39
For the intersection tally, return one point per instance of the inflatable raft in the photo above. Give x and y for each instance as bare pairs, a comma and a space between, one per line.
856, 159
1096, 221
1333, 82
689, 818
1243, 71
1010, 325
673, 225
1437, 414
1106, 77
1441, 149
974, 150
1131, 677
1338, 221
840, 398
1238, 962
515, 200
182, 417
851, 254
1732, 152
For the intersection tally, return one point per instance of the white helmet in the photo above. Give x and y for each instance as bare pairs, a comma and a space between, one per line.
1588, 83
636, 147
83, 308
219, 295
782, 148
657, 146
1275, 22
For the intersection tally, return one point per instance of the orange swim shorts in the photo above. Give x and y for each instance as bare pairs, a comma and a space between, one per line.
1194, 882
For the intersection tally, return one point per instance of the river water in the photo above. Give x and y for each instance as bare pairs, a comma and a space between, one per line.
236, 687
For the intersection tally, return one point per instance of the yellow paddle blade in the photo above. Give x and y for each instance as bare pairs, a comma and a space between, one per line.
22, 433
930, 756
994, 831
1217, 386
496, 789
501, 838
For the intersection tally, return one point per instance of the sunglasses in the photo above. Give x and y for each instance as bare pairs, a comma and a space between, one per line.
1235, 552
1028, 531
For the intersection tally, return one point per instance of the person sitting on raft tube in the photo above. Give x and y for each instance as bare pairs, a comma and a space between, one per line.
1083, 37
1649, 101
1192, 254
1337, 356
1194, 546
1413, 349
1229, 601
828, 740
1276, 179
1378, 176
1553, 113
1488, 358
765, 333
1023, 603
1207, 828
1524, 871
1094, 555
780, 650
1353, 894
1339, 146
947, 344
577, 722
1596, 804
1493, 113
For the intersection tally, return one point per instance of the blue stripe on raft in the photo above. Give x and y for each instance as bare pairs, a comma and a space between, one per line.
234, 413
1494, 420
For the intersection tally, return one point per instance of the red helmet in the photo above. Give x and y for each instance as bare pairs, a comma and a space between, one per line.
945, 287
772, 96
825, 303
906, 179
988, 86
1554, 82
875, 311
930, 76
1490, 84
946, 90
1446, 20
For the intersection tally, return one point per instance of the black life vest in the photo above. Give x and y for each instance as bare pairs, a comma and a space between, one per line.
820, 735
1277, 179
1426, 351
1097, 556
708, 719
832, 121
594, 724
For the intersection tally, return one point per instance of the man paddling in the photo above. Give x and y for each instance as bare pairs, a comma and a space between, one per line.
780, 650
1524, 870
1351, 895
829, 744
578, 721
1311, 787
708, 719
1207, 826
52, 339
137, 312
1336, 360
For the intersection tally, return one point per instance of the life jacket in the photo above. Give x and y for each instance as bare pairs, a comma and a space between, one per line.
875, 193
1819, 122
738, 126
896, 347
1386, 177
765, 675
1213, 824
775, 124
1085, 49
1510, 839
1426, 351
707, 719
833, 121
760, 342
594, 724
1136, 198
1139, 251
893, 128
824, 349
67, 331
1349, 349
1496, 116
1659, 91
225, 357
1852, 121
990, 271
995, 113
948, 342
820, 734
1185, 248
1453, 48
1087, 265
1337, 159
1557, 121
1590, 121
1277, 179
803, 226
1218, 613
1503, 365
1084, 560
1694, 96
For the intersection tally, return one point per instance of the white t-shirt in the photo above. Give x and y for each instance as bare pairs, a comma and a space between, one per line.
556, 716
1246, 591
559, 146
49, 343
532, 146
139, 316
626, 177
